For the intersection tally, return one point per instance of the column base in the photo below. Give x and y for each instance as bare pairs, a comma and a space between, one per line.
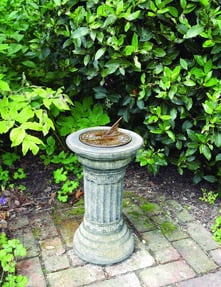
103, 248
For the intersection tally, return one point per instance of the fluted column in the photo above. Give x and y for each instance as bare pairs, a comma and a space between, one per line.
103, 195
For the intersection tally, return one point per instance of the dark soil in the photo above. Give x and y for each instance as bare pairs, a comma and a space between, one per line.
41, 190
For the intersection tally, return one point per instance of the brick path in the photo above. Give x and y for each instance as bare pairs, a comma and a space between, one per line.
185, 257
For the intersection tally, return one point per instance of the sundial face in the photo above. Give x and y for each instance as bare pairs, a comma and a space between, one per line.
100, 138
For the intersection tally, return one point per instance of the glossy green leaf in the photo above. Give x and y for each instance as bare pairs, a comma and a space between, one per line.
200, 60
194, 31
208, 107
183, 3
171, 135
183, 64
135, 42
153, 6
99, 53
128, 50
80, 32
109, 21
210, 178
205, 2
120, 7
208, 44
189, 83
204, 149
217, 139
132, 16
211, 82
29, 64
159, 52
192, 135
218, 157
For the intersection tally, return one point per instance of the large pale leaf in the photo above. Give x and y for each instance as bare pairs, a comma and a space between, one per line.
25, 114
17, 136
80, 32
99, 53
194, 31
5, 126
31, 143
4, 86
217, 139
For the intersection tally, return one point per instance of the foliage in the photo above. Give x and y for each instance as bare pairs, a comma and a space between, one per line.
6, 178
151, 158
10, 250
83, 114
31, 110
216, 229
70, 167
167, 227
209, 196
154, 62
8, 175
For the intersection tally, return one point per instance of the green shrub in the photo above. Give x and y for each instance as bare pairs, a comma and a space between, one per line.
156, 63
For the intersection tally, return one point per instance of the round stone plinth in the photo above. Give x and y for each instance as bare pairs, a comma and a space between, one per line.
103, 248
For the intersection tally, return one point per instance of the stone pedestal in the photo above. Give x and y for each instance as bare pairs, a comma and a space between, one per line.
103, 237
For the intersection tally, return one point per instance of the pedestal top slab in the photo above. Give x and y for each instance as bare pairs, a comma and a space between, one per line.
100, 152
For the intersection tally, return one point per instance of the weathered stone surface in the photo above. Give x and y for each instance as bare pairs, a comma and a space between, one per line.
216, 255
194, 255
181, 213
176, 235
76, 277
128, 280
159, 246
165, 274
31, 268
137, 217
67, 229
43, 225
18, 222
139, 259
208, 280
201, 236
53, 255
74, 259
26, 237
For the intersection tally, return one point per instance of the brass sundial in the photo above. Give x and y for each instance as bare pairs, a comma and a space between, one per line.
105, 138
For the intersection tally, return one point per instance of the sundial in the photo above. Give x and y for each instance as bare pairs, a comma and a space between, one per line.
111, 137
103, 237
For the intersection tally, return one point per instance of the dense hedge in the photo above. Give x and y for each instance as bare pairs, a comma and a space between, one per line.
156, 63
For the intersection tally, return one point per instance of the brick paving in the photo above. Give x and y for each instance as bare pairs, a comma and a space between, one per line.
163, 257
